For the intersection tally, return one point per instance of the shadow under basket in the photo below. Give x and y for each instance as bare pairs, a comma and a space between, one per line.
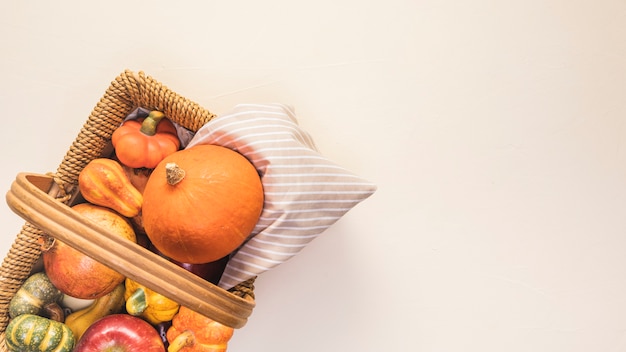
44, 202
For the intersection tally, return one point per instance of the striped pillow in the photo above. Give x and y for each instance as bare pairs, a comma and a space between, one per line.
305, 193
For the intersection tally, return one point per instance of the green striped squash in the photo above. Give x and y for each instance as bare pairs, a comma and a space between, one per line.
33, 333
33, 295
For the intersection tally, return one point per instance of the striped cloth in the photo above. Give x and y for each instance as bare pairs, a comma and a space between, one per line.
305, 193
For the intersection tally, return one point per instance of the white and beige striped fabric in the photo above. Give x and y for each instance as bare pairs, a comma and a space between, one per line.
305, 193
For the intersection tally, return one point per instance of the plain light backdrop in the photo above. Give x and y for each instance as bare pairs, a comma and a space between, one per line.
493, 129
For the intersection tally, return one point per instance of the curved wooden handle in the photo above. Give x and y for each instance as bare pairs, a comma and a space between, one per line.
29, 198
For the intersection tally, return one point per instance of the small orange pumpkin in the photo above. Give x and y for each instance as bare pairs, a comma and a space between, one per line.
201, 203
145, 142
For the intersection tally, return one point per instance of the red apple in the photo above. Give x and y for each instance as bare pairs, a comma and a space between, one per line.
120, 333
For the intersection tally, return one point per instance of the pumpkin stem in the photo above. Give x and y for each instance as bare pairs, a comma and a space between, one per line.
149, 124
174, 173
186, 339
137, 303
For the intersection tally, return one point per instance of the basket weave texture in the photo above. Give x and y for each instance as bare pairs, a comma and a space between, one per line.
127, 92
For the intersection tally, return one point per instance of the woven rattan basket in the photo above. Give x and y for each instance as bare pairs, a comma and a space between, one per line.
44, 202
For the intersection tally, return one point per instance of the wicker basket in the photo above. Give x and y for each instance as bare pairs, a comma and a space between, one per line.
44, 202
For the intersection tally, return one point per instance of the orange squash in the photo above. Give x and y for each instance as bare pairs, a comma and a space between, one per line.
201, 203
193, 332
103, 182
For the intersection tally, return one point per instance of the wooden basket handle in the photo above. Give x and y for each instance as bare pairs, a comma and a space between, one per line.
28, 198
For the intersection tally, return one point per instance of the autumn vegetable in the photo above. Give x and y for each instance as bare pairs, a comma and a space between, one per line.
103, 182
145, 142
193, 332
38, 296
77, 274
29, 332
201, 203
111, 303
145, 303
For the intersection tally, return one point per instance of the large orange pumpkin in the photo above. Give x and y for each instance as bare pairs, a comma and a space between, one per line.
209, 211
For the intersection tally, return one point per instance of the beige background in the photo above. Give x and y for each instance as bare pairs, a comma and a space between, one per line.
493, 129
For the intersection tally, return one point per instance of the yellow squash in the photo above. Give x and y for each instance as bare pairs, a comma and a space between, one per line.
111, 303
144, 302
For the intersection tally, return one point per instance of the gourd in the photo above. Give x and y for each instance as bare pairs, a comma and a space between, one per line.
38, 296
111, 303
201, 203
193, 332
145, 303
29, 332
103, 182
145, 142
